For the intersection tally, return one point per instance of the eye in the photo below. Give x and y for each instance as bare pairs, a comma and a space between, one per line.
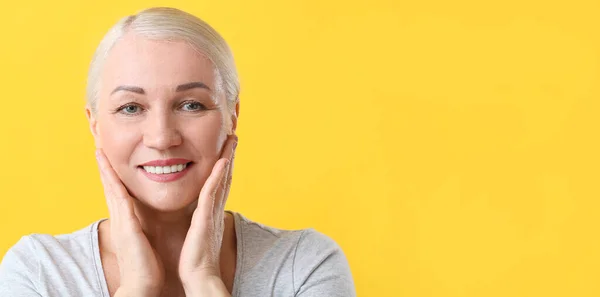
192, 106
129, 109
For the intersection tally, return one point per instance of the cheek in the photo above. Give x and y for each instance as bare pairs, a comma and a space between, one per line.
117, 141
207, 137
207, 140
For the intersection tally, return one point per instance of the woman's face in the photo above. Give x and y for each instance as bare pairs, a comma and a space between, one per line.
157, 112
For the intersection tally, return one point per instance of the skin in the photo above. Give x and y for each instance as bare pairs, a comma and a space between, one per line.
157, 101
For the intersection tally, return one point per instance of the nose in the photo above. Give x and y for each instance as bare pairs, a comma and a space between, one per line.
161, 131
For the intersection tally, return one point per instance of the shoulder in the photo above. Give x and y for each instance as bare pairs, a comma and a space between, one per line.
321, 267
40, 247
37, 258
262, 245
19, 269
20, 257
312, 243
46, 246
312, 263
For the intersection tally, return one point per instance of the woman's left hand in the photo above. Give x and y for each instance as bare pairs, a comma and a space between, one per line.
199, 265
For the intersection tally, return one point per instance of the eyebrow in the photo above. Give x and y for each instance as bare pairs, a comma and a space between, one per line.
180, 88
129, 89
191, 85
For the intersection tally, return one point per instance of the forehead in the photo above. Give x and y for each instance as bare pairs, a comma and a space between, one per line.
154, 64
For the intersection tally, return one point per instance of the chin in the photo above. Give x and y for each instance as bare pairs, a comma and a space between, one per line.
167, 196
164, 200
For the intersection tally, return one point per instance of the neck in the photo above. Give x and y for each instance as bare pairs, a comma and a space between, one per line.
166, 231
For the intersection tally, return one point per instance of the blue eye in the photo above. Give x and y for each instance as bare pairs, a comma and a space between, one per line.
193, 106
129, 109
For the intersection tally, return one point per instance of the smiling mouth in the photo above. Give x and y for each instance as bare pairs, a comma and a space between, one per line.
165, 169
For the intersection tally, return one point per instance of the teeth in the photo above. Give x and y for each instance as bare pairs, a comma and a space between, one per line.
165, 169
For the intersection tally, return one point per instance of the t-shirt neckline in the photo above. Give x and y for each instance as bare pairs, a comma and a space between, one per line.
99, 269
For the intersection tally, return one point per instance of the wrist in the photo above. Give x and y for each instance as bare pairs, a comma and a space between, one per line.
207, 286
133, 292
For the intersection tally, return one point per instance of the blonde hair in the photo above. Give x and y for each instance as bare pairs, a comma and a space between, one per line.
163, 23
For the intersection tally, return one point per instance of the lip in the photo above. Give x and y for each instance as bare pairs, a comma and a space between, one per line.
166, 177
167, 162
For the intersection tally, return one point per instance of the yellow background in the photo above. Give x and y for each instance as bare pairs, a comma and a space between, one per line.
450, 147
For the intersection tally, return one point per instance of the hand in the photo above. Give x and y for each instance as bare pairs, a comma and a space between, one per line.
199, 261
141, 270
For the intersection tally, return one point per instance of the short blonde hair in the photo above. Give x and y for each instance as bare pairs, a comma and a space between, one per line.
164, 23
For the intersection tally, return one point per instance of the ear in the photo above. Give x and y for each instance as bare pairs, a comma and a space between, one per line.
93, 125
234, 117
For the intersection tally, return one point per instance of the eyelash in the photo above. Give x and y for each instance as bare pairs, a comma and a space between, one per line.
121, 108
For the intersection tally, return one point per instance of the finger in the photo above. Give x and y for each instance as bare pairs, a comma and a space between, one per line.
228, 180
203, 219
222, 192
111, 182
229, 154
104, 166
229, 146
119, 201
214, 183
203, 213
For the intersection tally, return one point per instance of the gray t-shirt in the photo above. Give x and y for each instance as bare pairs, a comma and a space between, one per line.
270, 262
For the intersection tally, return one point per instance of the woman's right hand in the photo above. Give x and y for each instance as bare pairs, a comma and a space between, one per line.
141, 270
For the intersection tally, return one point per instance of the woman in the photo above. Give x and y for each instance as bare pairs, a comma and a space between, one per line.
162, 104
